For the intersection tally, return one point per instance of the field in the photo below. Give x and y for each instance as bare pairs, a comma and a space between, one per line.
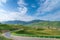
40, 29
3, 38
40, 32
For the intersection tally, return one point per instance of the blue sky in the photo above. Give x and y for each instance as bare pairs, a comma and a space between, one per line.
27, 10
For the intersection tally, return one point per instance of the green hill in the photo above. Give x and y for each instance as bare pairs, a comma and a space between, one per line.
9, 27
45, 24
34, 29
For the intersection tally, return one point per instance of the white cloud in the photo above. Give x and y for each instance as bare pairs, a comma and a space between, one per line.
22, 8
33, 6
21, 3
49, 6
2, 2
23, 11
20, 15
51, 17
6, 16
25, 18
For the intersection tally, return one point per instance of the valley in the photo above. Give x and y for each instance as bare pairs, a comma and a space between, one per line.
39, 29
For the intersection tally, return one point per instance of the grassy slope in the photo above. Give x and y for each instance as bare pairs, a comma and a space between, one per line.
53, 33
39, 24
45, 24
41, 29
35, 29
3, 38
9, 27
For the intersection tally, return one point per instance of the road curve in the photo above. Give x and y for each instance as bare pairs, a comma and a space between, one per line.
32, 38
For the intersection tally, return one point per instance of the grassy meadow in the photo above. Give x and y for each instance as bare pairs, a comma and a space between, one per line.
40, 29
40, 32
3, 38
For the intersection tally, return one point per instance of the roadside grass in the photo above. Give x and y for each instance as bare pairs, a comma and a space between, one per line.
43, 33
3, 38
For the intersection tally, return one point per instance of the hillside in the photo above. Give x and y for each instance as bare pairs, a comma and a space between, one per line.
45, 24
10, 27
35, 28
35, 23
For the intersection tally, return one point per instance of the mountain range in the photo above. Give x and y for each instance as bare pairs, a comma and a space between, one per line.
33, 23
21, 22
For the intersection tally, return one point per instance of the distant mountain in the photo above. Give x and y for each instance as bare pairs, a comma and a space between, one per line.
14, 22
35, 23
21, 22
45, 24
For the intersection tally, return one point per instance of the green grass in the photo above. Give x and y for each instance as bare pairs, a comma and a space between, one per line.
45, 24
41, 36
3, 38
9, 27
35, 30
45, 33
